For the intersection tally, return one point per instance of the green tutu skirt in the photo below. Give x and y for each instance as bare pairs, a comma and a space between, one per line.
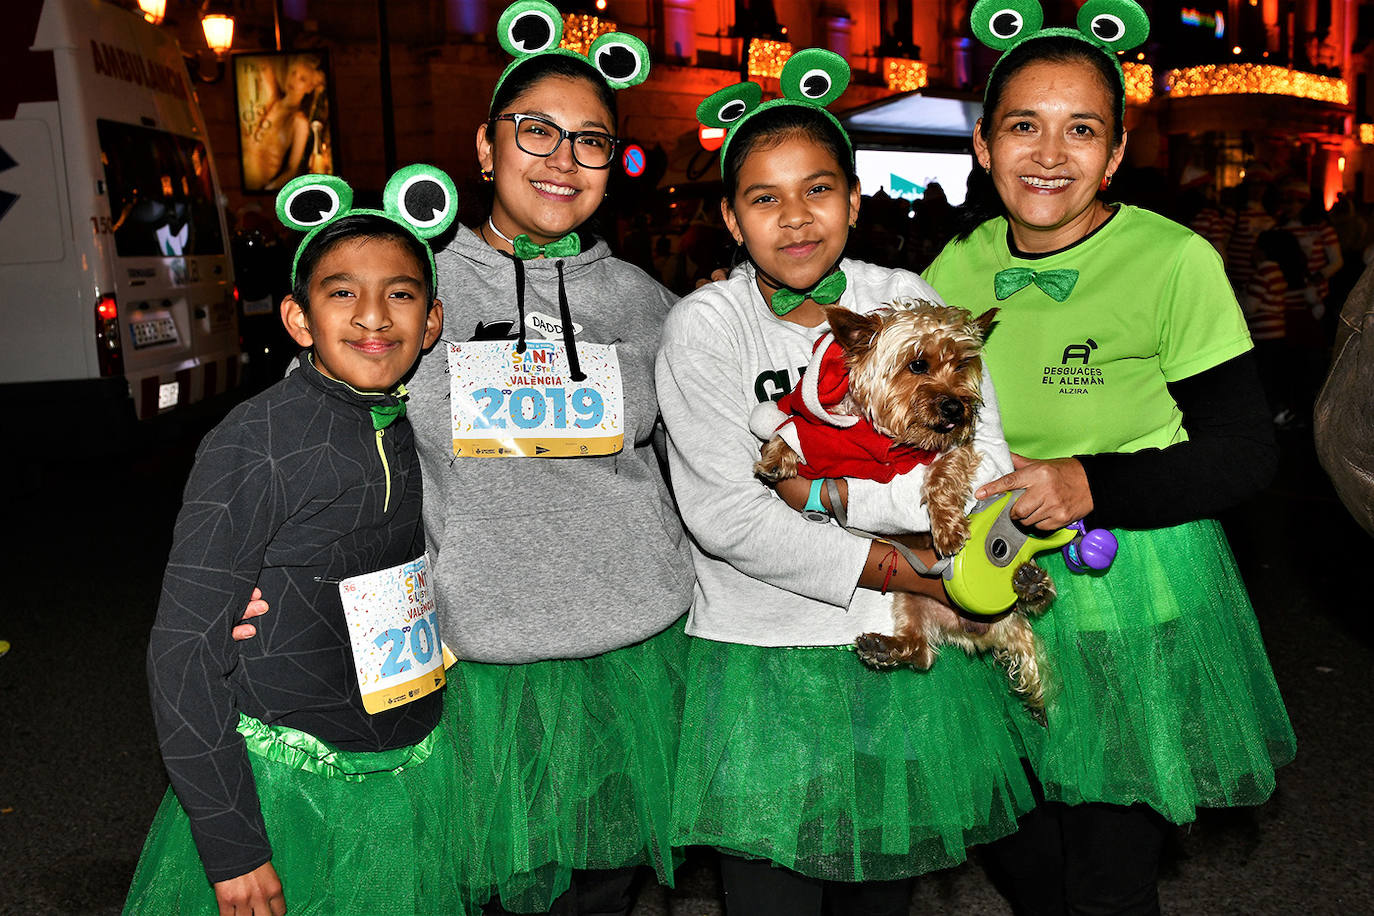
1160, 691
566, 765
810, 759
351, 832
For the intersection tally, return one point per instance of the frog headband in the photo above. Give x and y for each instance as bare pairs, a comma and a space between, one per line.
1108, 25
531, 28
420, 198
812, 78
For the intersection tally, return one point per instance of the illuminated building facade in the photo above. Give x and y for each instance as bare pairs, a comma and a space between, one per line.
1220, 86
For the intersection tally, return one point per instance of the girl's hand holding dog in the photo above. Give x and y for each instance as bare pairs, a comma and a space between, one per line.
1057, 491
885, 570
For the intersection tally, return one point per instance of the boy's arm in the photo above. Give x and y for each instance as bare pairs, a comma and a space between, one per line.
217, 552
896, 507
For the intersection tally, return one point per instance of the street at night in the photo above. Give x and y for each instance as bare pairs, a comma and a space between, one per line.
82, 777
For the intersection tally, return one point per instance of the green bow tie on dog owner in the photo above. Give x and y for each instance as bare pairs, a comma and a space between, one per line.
566, 247
1057, 284
826, 292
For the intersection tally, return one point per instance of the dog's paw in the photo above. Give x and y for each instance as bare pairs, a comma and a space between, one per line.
777, 461
950, 536
875, 651
1034, 588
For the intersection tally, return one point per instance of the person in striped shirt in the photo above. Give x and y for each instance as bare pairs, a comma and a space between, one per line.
1277, 285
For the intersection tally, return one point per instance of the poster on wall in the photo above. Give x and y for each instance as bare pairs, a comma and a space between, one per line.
284, 101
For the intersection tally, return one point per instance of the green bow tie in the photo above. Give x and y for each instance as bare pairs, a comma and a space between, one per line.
825, 292
566, 247
1057, 284
383, 415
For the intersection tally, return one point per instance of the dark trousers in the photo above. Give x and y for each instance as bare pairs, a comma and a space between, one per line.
594, 892
756, 887
1081, 860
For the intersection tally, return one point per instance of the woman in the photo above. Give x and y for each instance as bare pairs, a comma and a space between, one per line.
1126, 381
560, 578
275, 144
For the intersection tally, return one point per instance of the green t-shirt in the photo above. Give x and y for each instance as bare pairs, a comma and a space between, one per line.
1152, 305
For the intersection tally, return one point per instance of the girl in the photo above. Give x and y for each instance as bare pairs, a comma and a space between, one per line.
1155, 424
818, 777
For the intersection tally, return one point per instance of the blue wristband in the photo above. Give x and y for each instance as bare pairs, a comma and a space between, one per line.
814, 510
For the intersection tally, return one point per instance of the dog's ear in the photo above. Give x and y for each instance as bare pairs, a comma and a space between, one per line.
853, 332
983, 323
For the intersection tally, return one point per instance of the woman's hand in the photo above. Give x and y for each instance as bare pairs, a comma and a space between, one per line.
256, 608
257, 893
1056, 491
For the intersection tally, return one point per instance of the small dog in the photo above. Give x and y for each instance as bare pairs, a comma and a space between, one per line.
910, 373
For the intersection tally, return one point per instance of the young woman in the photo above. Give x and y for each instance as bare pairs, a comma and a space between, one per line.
1130, 399
824, 782
561, 577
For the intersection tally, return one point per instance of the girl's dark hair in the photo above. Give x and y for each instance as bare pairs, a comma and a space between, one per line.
1058, 49
767, 129
1282, 247
368, 226
539, 66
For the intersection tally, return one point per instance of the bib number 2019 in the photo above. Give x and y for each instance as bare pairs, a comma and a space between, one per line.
530, 408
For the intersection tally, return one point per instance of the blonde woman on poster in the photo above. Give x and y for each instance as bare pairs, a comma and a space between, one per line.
283, 121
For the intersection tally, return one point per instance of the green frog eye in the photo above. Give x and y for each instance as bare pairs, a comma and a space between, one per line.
1117, 24
621, 58
999, 24
423, 197
313, 200
814, 75
529, 26
725, 107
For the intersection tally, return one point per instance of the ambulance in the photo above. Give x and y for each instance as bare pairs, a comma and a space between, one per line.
116, 288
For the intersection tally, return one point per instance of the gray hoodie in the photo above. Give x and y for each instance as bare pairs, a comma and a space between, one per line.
540, 558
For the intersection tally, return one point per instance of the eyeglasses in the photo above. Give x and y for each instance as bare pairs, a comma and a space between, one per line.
592, 149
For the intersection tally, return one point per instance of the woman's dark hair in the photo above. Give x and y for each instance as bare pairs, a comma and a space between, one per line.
538, 67
368, 226
1058, 49
767, 129
1282, 247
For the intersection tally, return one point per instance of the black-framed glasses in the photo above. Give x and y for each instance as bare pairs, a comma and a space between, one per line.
592, 149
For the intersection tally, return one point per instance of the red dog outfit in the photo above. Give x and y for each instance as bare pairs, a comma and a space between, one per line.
830, 444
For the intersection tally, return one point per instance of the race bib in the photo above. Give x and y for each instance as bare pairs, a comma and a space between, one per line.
523, 405
394, 630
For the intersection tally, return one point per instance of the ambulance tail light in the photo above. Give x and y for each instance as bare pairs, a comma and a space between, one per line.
108, 347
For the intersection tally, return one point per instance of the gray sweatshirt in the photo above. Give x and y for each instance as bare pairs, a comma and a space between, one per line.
539, 558
766, 575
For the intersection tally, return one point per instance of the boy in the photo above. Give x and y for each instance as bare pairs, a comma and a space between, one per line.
299, 760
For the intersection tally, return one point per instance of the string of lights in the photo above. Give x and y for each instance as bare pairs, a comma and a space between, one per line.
580, 30
1249, 79
905, 75
1140, 82
767, 56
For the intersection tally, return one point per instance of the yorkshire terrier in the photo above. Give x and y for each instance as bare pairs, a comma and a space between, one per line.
913, 371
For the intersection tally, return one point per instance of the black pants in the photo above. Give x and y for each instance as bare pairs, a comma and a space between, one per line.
1081, 860
594, 892
756, 887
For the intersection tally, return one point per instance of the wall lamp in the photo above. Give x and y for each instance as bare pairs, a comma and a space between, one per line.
217, 21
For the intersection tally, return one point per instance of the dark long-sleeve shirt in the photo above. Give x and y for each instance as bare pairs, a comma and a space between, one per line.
294, 491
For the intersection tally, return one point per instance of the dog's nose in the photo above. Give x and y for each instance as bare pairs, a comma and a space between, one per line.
952, 409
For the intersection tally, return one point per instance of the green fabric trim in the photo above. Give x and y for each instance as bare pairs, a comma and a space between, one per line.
305, 752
